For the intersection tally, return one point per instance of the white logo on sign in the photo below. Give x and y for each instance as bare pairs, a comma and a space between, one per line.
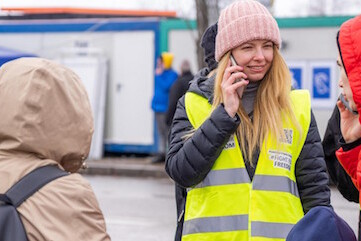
230, 144
294, 81
321, 80
280, 159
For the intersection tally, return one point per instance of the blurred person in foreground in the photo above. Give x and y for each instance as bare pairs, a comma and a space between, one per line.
46, 119
164, 79
321, 224
244, 145
178, 89
349, 61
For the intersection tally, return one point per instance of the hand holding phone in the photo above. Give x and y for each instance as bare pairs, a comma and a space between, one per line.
240, 89
349, 121
347, 105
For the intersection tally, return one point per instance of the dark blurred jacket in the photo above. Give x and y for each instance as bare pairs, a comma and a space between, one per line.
338, 175
336, 172
178, 89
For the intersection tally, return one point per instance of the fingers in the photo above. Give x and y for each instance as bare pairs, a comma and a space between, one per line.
344, 112
231, 69
232, 89
340, 105
242, 83
232, 75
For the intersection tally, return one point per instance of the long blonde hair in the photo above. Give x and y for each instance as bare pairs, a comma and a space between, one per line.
272, 104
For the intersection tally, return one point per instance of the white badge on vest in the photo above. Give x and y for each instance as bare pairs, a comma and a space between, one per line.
230, 144
288, 138
281, 160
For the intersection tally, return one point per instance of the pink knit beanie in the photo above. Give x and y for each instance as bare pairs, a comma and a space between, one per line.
243, 21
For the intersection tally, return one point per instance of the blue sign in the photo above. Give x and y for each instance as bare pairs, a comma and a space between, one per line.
321, 82
296, 74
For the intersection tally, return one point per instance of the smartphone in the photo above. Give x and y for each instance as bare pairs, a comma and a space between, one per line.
240, 89
347, 105
234, 63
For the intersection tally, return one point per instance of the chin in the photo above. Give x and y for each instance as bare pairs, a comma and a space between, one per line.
256, 78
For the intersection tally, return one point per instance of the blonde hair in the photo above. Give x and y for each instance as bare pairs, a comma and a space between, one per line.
272, 105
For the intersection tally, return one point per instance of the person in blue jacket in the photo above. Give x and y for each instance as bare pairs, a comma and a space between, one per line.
165, 76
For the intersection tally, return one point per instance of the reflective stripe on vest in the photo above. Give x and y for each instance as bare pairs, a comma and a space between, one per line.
216, 224
226, 205
240, 175
236, 223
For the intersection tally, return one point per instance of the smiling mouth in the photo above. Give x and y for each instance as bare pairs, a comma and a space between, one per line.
256, 68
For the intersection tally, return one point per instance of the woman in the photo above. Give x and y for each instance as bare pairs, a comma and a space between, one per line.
349, 61
246, 148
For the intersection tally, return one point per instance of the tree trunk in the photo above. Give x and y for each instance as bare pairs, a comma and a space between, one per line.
202, 24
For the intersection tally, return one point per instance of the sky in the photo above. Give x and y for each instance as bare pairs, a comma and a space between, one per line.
186, 8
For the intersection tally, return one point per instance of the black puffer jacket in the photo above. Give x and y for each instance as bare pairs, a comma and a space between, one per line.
337, 174
189, 161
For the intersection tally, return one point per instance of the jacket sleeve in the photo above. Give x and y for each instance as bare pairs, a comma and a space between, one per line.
172, 103
188, 161
166, 79
349, 160
336, 172
311, 176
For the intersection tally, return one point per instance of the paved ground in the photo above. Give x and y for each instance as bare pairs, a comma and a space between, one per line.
136, 208
143, 208
125, 166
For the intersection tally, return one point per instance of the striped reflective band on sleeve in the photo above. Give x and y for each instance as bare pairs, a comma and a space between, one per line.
270, 230
275, 183
216, 224
224, 177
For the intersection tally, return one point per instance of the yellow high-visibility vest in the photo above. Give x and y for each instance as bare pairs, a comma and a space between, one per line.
226, 205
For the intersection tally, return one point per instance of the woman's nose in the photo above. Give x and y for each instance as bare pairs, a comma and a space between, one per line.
259, 55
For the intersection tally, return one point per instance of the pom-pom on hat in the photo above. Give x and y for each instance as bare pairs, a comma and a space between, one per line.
243, 21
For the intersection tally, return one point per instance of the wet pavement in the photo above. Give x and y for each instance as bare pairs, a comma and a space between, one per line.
143, 208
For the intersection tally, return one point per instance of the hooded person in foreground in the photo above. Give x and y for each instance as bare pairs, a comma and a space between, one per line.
46, 119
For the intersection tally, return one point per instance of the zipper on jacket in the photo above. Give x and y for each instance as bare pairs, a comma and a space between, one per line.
181, 215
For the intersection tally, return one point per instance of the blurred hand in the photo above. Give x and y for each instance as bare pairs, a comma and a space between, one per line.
349, 124
233, 84
158, 71
159, 68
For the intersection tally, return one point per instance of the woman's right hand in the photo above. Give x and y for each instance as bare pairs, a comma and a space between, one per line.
233, 83
349, 124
